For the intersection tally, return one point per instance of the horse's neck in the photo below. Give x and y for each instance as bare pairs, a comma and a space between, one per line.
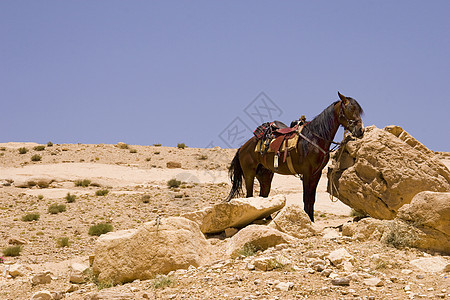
329, 129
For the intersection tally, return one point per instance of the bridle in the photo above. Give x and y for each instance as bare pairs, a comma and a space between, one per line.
350, 123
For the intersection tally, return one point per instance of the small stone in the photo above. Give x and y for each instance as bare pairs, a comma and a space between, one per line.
374, 281
407, 288
330, 234
77, 277
420, 276
16, 270
342, 281
318, 266
17, 241
250, 266
72, 288
41, 278
440, 295
371, 297
42, 295
229, 232
284, 286
406, 271
326, 272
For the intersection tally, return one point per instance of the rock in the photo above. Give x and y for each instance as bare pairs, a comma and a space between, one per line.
326, 272
365, 229
258, 237
432, 264
173, 165
318, 265
17, 270
330, 234
72, 288
269, 263
175, 243
17, 241
41, 278
229, 232
340, 281
294, 221
429, 212
110, 295
373, 281
381, 172
42, 295
284, 286
339, 256
77, 277
235, 213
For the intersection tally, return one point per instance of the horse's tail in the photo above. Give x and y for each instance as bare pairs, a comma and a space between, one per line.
236, 176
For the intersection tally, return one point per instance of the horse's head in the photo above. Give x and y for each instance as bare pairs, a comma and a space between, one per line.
350, 115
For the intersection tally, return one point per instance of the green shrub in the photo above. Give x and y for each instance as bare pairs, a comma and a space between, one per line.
181, 145
162, 281
70, 198
122, 146
39, 148
12, 251
31, 217
49, 144
249, 250
203, 157
43, 184
101, 192
173, 183
83, 183
133, 151
56, 208
36, 157
40, 197
100, 229
63, 242
157, 145
23, 150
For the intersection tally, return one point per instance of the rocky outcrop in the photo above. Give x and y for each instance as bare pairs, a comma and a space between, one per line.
154, 248
294, 221
254, 238
235, 213
384, 170
424, 224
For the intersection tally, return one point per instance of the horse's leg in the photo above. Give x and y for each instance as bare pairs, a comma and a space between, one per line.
309, 193
264, 177
249, 177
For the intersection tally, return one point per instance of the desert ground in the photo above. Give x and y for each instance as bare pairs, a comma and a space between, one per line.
136, 180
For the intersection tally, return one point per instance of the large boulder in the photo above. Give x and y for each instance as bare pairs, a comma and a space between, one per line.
235, 213
294, 221
384, 170
430, 213
424, 224
154, 248
254, 238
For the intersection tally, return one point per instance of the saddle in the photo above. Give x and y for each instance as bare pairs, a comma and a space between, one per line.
278, 138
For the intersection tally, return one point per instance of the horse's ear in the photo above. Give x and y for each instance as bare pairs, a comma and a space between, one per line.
343, 98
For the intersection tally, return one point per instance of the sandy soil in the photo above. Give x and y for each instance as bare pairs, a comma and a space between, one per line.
133, 172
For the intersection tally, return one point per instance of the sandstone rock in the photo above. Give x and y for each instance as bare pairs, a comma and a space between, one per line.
173, 165
176, 243
432, 264
380, 172
260, 237
269, 263
365, 229
17, 270
339, 256
42, 295
235, 213
294, 221
17, 241
341, 281
41, 278
284, 286
110, 295
77, 277
373, 281
229, 232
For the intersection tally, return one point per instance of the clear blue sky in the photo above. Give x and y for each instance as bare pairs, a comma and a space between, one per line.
145, 72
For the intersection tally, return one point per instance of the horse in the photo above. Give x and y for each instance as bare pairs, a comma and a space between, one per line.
309, 157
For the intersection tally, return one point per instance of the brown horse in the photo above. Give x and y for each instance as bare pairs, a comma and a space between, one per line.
309, 157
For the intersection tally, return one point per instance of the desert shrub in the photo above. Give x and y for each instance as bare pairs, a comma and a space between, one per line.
39, 148
145, 198
157, 145
49, 144
357, 214
122, 146
203, 157
181, 145
173, 183
36, 157
23, 150
249, 250
63, 242
148, 159
100, 229
156, 152
82, 183
40, 197
95, 184
162, 281
70, 198
399, 237
178, 196
31, 217
102, 192
56, 208
133, 151
12, 251
2, 148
